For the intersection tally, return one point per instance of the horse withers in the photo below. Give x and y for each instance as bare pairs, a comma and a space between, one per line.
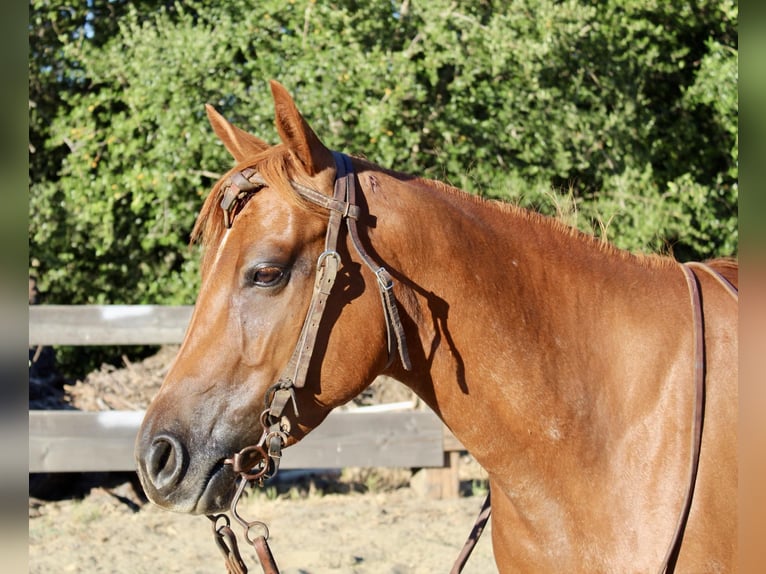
596, 387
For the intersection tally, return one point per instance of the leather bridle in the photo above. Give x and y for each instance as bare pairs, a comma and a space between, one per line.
262, 460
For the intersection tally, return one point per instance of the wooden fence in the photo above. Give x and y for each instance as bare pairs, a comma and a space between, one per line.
79, 441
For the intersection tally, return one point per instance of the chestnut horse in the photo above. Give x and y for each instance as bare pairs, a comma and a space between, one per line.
564, 365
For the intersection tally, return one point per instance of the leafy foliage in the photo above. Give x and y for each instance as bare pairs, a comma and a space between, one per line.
624, 110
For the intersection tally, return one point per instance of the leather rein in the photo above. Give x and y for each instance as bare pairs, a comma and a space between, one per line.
692, 282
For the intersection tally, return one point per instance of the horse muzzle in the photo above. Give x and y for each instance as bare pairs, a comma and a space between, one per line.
176, 480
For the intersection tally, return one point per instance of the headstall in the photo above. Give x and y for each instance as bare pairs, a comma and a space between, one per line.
261, 461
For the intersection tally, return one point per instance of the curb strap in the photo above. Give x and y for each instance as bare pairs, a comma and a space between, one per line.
226, 541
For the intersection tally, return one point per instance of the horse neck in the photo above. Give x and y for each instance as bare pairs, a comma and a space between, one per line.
500, 305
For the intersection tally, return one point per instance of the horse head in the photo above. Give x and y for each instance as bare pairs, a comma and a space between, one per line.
264, 227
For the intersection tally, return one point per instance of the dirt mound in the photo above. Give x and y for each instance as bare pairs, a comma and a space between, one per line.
132, 386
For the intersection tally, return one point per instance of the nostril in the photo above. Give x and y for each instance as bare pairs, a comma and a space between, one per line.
165, 462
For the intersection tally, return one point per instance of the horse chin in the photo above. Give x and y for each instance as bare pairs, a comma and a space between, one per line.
213, 496
217, 493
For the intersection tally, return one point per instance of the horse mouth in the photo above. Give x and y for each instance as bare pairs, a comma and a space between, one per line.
218, 490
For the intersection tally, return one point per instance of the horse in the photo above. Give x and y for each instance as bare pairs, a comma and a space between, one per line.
596, 387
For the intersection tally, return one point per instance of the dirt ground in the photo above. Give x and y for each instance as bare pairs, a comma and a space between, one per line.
364, 521
395, 532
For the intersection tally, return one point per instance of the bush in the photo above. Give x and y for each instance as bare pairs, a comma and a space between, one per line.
624, 111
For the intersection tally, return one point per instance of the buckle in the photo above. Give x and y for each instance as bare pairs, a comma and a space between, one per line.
384, 279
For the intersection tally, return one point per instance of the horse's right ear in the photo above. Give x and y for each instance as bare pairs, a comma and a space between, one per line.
296, 133
240, 144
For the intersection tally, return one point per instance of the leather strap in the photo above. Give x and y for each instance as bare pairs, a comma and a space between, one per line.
342, 205
394, 328
328, 264
725, 283
699, 383
473, 537
265, 557
260, 461
668, 563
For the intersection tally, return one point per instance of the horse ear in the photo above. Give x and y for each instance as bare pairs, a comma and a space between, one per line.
240, 144
297, 135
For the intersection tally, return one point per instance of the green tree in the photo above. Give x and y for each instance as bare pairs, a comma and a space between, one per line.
620, 116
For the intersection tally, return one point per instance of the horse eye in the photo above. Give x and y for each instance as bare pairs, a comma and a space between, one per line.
266, 276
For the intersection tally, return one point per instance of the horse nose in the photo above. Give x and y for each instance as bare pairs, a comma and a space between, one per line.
166, 461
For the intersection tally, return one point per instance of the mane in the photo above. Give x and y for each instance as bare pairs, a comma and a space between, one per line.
274, 165
557, 226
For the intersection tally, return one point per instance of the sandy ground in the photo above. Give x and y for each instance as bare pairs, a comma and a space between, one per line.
394, 532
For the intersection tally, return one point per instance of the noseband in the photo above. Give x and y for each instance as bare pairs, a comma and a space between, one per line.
262, 461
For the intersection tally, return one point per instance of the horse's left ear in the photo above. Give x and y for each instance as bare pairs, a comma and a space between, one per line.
297, 135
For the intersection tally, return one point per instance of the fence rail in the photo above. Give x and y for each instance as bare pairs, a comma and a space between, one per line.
79, 441
103, 441
107, 324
